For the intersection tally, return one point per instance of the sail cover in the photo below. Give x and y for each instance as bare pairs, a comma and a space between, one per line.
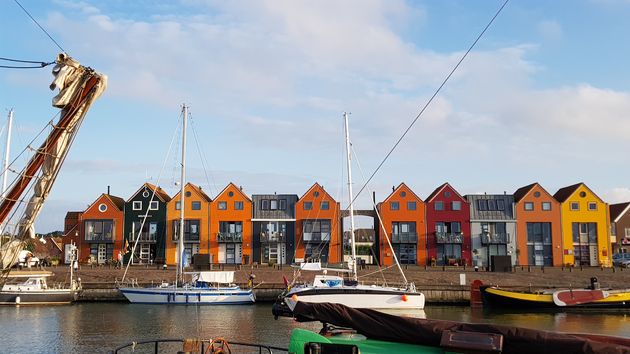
381, 326
216, 277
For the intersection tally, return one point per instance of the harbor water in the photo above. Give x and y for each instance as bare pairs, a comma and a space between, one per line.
101, 327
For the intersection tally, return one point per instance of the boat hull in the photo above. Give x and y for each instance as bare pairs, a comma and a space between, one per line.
188, 296
43, 297
501, 298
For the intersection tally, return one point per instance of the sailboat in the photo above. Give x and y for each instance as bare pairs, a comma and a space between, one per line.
335, 289
205, 288
79, 87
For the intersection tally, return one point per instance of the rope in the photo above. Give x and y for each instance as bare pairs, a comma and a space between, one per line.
38, 25
431, 99
41, 64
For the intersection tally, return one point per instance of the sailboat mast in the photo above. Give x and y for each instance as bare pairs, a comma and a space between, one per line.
182, 197
5, 164
353, 256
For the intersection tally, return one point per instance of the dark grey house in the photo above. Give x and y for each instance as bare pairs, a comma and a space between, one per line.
273, 224
492, 227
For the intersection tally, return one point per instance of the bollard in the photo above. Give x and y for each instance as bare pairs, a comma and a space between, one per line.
542, 268
529, 269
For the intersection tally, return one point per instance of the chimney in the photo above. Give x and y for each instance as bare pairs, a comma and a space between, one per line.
393, 188
240, 188
107, 190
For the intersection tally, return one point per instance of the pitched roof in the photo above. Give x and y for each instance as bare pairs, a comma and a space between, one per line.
618, 210
240, 190
118, 201
159, 192
73, 214
398, 188
197, 190
313, 187
522, 192
564, 193
439, 189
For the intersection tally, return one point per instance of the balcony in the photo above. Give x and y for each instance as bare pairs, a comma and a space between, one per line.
144, 237
191, 238
230, 237
449, 237
316, 237
99, 238
493, 239
267, 237
410, 237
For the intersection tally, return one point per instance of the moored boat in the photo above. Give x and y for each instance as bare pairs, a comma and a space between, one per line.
35, 291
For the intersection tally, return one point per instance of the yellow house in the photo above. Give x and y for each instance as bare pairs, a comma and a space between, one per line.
585, 239
196, 224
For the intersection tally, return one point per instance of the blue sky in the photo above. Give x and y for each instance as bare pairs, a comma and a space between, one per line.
543, 97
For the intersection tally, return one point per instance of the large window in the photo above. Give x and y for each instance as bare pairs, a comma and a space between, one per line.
148, 232
191, 230
231, 227
482, 204
316, 230
539, 248
99, 230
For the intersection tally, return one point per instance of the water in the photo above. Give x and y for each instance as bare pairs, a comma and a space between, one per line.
101, 327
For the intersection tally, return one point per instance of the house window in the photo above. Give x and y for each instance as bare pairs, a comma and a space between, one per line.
137, 205
154, 205
575, 206
188, 194
316, 230
492, 205
403, 194
546, 206
316, 194
196, 205
447, 194
592, 206
325, 205
482, 204
438, 206
411, 205
308, 205
231, 194
264, 204
529, 206
283, 204
536, 194
222, 205
500, 204
102, 208
273, 204
456, 205
238, 205
627, 230
191, 230
99, 230
394, 205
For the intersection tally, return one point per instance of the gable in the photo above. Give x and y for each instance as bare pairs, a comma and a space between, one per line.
231, 187
160, 194
444, 188
402, 187
575, 191
317, 188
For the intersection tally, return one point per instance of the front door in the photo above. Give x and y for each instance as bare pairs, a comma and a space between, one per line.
145, 253
102, 253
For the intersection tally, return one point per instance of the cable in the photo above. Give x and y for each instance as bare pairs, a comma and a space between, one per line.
38, 25
431, 99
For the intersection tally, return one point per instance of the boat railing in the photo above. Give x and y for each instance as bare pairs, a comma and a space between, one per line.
195, 346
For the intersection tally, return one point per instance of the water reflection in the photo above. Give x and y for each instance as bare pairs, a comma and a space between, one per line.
100, 327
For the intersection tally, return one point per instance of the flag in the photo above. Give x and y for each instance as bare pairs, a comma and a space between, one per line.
126, 249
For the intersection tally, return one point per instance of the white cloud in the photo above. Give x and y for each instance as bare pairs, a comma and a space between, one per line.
617, 195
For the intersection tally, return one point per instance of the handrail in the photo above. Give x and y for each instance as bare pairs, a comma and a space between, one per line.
204, 342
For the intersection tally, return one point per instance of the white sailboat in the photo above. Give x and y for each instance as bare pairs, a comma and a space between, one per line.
335, 289
205, 288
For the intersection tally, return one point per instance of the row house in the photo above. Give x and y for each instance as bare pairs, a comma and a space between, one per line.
273, 224
231, 227
585, 235
492, 227
448, 227
538, 226
318, 227
403, 217
145, 222
72, 233
196, 224
620, 227
102, 225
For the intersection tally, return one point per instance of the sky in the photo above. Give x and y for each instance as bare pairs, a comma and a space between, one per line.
544, 96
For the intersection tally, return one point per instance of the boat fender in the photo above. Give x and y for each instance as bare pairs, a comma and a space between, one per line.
404, 297
294, 297
18, 300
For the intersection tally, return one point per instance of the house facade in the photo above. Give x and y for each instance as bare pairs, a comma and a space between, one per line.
145, 222
448, 227
318, 227
585, 233
231, 227
72, 234
492, 227
620, 227
273, 224
103, 222
403, 217
196, 224
538, 226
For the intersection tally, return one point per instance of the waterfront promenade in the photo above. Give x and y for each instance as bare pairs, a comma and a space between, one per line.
440, 284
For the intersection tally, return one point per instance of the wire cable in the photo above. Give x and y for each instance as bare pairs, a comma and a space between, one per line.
431, 99
38, 25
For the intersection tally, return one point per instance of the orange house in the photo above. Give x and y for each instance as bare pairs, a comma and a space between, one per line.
72, 233
538, 226
196, 224
231, 227
317, 227
403, 216
102, 224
